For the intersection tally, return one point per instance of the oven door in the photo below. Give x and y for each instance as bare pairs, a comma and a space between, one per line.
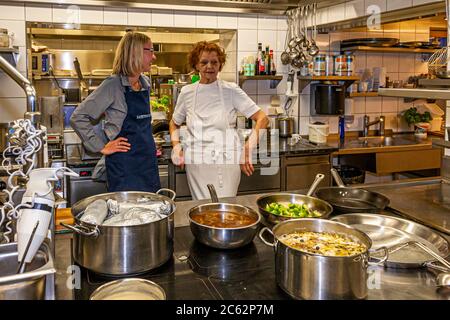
82, 187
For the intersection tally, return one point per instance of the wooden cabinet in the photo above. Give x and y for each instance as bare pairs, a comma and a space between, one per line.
382, 163
298, 172
390, 162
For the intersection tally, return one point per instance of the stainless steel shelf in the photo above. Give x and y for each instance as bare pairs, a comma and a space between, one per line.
388, 49
434, 82
417, 93
303, 81
441, 143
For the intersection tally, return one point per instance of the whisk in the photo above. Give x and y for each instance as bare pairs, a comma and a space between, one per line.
438, 61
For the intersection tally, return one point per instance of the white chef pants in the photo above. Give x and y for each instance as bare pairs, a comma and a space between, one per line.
224, 177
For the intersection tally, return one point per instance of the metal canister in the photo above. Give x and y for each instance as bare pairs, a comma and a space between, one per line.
320, 65
343, 65
350, 64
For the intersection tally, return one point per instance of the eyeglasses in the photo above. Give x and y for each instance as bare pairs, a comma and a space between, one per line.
204, 63
149, 49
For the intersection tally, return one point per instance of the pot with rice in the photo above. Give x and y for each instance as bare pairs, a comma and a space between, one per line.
321, 259
123, 233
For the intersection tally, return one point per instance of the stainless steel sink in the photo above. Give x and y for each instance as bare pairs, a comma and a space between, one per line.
383, 141
30, 285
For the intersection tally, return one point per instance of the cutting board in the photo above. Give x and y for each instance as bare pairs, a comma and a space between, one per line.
63, 215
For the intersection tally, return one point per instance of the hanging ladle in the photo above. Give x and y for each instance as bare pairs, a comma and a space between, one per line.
285, 57
300, 39
314, 49
304, 19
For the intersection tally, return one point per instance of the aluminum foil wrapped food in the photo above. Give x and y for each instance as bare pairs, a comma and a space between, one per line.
136, 212
95, 212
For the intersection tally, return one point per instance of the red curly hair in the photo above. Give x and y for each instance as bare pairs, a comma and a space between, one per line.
196, 52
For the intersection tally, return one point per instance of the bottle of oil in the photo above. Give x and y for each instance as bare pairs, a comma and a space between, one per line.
258, 60
273, 69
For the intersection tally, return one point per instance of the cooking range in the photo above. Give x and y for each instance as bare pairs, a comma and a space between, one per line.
197, 272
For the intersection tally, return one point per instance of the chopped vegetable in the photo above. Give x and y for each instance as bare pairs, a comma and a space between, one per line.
292, 210
160, 104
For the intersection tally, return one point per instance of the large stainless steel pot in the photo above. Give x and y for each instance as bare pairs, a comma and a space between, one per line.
223, 238
122, 250
311, 276
129, 289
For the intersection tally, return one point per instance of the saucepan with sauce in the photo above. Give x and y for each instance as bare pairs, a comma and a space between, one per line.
223, 225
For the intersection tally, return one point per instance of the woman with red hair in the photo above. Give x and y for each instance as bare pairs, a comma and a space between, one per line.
211, 150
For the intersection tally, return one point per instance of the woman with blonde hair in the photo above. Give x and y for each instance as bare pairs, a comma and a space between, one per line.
127, 144
212, 151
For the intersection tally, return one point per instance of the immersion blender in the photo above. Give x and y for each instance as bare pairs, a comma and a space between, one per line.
38, 205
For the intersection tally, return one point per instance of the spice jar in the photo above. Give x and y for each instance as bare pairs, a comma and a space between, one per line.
4, 38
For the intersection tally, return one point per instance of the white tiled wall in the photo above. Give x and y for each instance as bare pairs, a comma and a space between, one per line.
252, 28
399, 66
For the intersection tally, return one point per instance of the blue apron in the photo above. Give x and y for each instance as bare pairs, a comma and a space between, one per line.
137, 169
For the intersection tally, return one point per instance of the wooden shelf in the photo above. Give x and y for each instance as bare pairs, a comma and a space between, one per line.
275, 80
363, 94
14, 49
388, 49
303, 81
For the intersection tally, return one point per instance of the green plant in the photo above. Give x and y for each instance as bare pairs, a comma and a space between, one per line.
160, 104
412, 116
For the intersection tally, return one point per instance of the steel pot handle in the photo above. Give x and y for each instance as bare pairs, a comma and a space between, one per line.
380, 260
169, 191
432, 265
337, 177
317, 180
271, 244
79, 229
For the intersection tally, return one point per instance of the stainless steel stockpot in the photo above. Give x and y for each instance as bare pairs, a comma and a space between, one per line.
224, 238
311, 276
122, 250
129, 289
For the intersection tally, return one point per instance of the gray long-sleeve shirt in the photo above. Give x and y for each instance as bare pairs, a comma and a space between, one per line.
107, 99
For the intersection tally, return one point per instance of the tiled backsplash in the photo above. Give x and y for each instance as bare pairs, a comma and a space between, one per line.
251, 29
399, 66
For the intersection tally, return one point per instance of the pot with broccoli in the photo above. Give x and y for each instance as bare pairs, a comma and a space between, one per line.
277, 207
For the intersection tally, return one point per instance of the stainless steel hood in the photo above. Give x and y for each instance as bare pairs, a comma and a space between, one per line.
269, 7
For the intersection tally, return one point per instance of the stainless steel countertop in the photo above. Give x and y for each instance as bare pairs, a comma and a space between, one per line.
426, 202
387, 284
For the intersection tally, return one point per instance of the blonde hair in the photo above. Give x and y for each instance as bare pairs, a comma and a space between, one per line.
129, 54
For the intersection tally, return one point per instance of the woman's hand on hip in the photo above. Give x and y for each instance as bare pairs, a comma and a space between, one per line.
118, 145
178, 156
246, 161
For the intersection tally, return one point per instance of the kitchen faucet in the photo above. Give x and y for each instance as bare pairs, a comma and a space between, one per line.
367, 124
